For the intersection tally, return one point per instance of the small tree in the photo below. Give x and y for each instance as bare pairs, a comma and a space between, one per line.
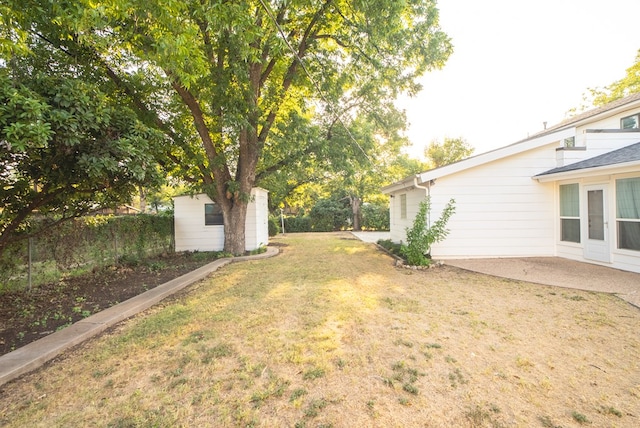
420, 236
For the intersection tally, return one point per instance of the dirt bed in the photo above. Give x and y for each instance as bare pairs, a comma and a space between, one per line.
26, 316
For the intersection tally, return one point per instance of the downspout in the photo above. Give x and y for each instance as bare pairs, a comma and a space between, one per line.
427, 193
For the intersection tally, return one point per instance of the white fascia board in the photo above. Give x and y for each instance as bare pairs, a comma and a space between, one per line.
405, 184
496, 154
619, 168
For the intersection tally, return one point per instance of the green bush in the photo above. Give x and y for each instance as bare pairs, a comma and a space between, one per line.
328, 215
420, 237
390, 246
274, 225
297, 224
375, 217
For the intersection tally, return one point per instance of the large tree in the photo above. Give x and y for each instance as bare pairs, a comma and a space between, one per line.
66, 147
449, 151
630, 84
219, 77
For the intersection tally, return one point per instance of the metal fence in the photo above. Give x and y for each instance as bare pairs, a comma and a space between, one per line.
84, 244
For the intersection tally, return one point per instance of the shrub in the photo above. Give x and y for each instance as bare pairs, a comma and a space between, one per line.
375, 217
274, 225
297, 224
420, 237
328, 215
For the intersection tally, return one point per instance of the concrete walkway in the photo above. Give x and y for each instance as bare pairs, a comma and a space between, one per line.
560, 272
35, 354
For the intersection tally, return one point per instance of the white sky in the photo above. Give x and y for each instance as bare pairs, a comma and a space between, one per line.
517, 64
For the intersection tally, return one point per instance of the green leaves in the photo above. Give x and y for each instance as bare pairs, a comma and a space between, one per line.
421, 236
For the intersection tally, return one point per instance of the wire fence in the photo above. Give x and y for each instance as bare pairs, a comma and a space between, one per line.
84, 244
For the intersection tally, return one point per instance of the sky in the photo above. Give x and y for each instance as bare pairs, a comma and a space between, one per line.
517, 64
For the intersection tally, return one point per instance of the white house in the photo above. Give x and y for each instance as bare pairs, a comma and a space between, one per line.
199, 224
572, 190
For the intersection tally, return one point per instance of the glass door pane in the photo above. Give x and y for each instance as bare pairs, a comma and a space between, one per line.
596, 214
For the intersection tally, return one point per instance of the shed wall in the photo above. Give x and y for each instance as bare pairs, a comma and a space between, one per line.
191, 234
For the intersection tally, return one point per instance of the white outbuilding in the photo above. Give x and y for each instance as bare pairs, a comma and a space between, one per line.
199, 224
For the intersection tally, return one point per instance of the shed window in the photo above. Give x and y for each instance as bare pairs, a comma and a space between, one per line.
403, 206
213, 215
569, 213
628, 213
630, 122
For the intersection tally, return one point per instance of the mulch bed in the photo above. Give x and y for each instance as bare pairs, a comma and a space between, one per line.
28, 316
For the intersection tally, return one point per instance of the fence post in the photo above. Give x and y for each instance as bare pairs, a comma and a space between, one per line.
30, 250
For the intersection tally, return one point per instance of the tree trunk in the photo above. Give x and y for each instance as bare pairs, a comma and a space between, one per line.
234, 228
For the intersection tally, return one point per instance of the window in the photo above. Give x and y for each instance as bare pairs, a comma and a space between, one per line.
403, 206
569, 142
630, 122
213, 215
628, 213
569, 213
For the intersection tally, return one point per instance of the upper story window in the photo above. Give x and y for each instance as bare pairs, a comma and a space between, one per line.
630, 122
569, 142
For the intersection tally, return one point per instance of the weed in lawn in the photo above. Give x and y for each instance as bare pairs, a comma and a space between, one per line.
314, 373
433, 346
219, 351
401, 342
340, 363
576, 298
479, 416
450, 359
457, 378
275, 388
404, 401
410, 388
609, 410
547, 422
405, 375
297, 393
314, 407
579, 417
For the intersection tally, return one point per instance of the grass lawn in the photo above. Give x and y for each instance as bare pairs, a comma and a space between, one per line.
331, 334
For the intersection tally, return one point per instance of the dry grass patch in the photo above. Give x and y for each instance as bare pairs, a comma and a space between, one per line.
331, 334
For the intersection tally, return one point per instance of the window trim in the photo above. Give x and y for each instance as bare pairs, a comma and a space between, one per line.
403, 206
569, 217
215, 218
620, 219
637, 121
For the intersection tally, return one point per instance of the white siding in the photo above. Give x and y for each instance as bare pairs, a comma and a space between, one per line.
191, 234
257, 224
190, 230
500, 210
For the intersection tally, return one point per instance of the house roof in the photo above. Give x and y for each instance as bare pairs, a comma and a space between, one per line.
625, 155
550, 135
574, 120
